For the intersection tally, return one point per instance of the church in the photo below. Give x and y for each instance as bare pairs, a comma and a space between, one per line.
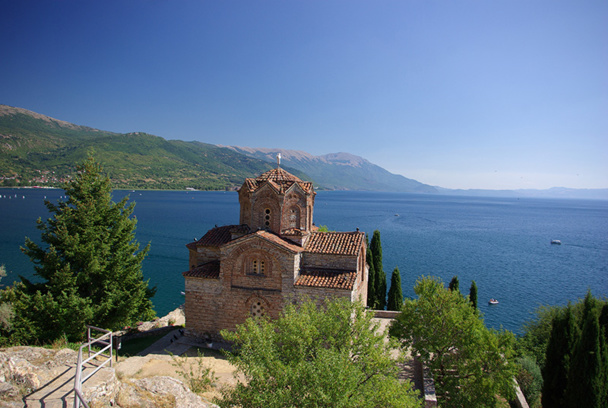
274, 255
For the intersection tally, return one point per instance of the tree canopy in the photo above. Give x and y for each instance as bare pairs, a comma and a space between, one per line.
88, 268
471, 365
328, 355
570, 345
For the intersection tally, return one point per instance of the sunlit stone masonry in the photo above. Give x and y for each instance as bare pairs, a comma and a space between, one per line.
275, 255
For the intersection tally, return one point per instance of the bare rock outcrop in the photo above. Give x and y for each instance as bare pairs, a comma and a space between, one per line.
23, 370
158, 392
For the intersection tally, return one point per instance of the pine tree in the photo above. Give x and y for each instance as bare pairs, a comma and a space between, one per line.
89, 269
473, 294
395, 295
454, 285
380, 283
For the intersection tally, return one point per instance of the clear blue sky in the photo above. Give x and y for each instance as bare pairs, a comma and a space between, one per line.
461, 94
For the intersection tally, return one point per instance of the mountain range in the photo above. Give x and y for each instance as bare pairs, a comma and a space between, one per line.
39, 150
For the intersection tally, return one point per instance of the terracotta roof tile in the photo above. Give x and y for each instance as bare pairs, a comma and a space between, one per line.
335, 243
277, 175
209, 270
295, 232
278, 240
278, 178
327, 278
218, 236
269, 236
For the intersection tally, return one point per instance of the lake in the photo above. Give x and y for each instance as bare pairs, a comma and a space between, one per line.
504, 244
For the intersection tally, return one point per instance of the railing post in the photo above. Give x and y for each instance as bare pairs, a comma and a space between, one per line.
77, 375
89, 339
111, 349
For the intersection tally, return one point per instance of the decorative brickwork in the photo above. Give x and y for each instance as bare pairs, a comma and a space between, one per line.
274, 256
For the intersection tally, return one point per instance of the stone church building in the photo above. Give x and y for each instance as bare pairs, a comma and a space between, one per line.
275, 255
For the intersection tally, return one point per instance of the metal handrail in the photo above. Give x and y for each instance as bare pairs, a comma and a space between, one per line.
78, 380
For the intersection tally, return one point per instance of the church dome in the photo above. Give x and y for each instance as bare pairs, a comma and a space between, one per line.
278, 175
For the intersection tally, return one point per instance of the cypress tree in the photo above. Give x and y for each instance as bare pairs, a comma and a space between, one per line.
563, 336
603, 320
585, 388
395, 295
380, 283
371, 282
473, 294
454, 284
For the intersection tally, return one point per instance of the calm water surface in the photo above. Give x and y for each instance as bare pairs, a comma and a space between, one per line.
501, 243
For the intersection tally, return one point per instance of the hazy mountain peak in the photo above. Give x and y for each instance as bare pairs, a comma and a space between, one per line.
339, 171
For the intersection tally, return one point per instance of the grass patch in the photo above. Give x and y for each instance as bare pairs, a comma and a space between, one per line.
131, 347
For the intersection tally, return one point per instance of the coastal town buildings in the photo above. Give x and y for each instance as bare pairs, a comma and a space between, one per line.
274, 255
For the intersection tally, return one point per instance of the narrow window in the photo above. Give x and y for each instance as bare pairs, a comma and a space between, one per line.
257, 309
256, 267
267, 217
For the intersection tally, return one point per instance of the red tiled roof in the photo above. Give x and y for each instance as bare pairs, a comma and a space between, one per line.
327, 278
277, 175
269, 236
280, 179
335, 243
297, 232
209, 270
218, 236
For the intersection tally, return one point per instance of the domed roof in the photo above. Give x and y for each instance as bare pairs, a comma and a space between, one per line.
280, 179
278, 175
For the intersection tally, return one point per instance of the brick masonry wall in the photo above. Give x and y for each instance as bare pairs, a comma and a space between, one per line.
215, 304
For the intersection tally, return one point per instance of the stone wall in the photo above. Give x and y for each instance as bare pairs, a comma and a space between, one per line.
215, 304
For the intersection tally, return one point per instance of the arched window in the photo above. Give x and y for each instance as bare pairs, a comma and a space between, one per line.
257, 308
255, 266
267, 215
294, 217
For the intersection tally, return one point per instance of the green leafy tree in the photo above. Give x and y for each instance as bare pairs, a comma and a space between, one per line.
380, 279
473, 295
454, 285
471, 365
89, 267
328, 355
530, 380
6, 311
395, 295
536, 333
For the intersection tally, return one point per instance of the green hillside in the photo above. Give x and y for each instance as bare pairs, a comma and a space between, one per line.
38, 150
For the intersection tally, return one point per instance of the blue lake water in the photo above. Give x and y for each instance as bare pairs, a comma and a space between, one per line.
501, 243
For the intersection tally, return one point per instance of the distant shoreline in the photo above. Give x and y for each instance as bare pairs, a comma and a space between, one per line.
552, 193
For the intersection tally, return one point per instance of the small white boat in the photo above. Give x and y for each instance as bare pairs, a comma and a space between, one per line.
556, 242
493, 301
